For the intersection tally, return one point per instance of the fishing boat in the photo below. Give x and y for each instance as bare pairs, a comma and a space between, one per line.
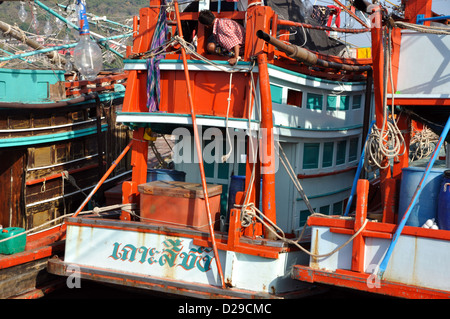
58, 134
404, 252
260, 145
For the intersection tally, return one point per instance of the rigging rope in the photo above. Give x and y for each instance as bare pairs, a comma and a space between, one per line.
252, 211
423, 28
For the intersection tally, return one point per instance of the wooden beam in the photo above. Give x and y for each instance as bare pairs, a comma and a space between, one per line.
15, 33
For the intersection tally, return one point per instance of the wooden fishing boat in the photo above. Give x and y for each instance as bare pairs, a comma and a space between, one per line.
400, 253
56, 137
58, 134
293, 121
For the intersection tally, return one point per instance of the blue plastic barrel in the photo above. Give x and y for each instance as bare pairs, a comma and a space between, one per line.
237, 184
426, 204
165, 175
443, 214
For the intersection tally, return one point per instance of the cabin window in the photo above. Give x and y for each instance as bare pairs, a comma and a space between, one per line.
276, 93
304, 214
241, 169
324, 210
209, 169
223, 170
345, 102
311, 155
42, 156
332, 102
314, 101
328, 151
341, 152
337, 208
224, 199
294, 98
356, 102
353, 149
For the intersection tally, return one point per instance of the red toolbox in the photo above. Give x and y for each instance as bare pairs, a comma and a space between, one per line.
179, 204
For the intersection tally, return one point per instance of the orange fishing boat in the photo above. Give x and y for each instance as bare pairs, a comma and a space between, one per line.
404, 251
231, 226
57, 135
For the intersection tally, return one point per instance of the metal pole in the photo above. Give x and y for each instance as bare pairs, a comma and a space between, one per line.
267, 147
65, 46
307, 57
198, 147
8, 29
419, 189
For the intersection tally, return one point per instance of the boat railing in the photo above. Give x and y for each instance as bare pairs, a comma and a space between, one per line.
269, 22
103, 82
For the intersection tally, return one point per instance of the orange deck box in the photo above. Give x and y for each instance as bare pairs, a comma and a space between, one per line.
179, 204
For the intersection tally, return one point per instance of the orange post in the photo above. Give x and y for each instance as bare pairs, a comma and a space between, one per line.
267, 145
389, 201
358, 253
378, 69
139, 162
198, 147
415, 7
102, 180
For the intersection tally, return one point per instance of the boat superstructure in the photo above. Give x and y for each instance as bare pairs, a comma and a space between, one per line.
58, 135
404, 251
285, 122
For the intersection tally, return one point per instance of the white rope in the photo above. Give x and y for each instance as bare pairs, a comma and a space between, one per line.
190, 50
227, 156
287, 165
252, 211
422, 143
96, 210
423, 28
387, 141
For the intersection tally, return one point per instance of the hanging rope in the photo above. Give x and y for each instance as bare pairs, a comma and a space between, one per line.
422, 143
291, 173
254, 212
386, 142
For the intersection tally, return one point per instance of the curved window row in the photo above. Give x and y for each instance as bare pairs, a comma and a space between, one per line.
328, 154
315, 101
333, 102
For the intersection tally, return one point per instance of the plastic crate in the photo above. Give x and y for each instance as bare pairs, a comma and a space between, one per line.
13, 245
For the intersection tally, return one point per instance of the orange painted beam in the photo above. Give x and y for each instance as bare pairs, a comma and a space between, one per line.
365, 282
358, 249
267, 146
415, 7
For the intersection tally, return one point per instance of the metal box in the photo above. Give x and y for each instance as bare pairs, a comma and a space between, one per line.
179, 204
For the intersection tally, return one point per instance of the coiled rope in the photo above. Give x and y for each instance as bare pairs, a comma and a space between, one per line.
386, 142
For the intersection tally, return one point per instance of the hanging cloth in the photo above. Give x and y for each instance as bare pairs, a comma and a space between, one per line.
153, 74
334, 11
320, 14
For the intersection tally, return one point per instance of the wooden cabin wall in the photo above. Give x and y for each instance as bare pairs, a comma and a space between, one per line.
28, 202
12, 163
